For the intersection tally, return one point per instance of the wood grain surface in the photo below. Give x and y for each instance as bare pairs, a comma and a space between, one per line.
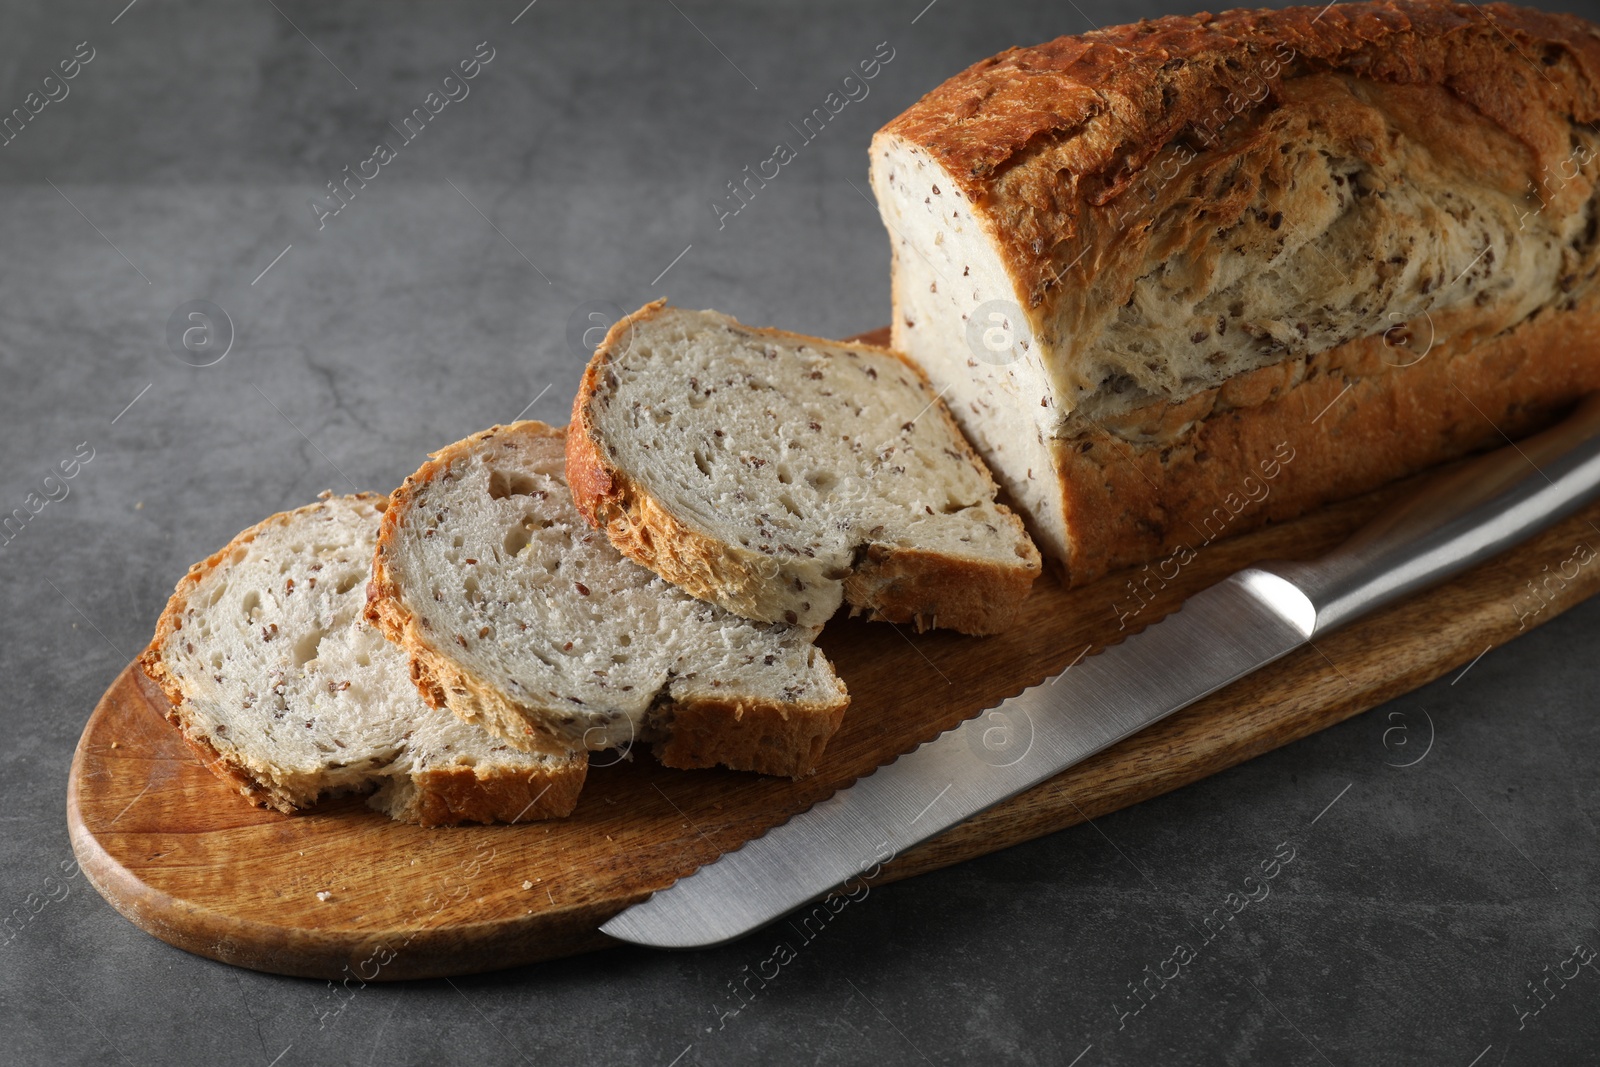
346, 894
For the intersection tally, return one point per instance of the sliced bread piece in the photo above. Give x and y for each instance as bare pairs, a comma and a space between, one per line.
287, 693
777, 475
521, 618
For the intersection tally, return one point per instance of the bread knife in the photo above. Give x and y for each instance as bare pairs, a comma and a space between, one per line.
1470, 511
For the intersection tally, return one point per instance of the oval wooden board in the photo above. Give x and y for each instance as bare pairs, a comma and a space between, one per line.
346, 893
343, 892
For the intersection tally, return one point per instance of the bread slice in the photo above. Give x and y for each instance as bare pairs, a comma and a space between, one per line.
288, 694
1186, 276
521, 618
777, 475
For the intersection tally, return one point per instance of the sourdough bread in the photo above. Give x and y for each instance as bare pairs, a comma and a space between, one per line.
778, 475
1185, 276
285, 690
519, 617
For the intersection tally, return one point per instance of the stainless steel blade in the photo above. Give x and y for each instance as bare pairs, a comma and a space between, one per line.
1219, 635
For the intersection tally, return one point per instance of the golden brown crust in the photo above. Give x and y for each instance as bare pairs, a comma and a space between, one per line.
1128, 503
898, 585
448, 795
698, 733
765, 738
928, 589
1041, 138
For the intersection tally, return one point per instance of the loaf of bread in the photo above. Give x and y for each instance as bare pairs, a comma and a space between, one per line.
778, 475
519, 617
1186, 276
286, 692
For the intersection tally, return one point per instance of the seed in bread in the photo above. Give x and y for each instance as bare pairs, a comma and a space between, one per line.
287, 693
778, 475
519, 617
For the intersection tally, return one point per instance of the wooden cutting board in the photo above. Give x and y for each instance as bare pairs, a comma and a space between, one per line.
346, 894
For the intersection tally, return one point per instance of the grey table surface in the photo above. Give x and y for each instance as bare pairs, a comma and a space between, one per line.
578, 175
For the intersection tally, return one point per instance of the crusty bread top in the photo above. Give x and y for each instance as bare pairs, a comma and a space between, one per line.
1072, 122
778, 475
520, 617
1180, 233
1168, 203
277, 677
1182, 221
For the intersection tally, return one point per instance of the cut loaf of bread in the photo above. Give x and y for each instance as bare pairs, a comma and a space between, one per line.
521, 618
289, 694
1186, 276
777, 475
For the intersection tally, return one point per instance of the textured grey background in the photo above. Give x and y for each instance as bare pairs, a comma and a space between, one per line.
1404, 930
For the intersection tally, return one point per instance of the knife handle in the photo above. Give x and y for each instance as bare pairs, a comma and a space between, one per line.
1470, 511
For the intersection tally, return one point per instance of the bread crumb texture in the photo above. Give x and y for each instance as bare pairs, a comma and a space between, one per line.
288, 693
518, 616
779, 475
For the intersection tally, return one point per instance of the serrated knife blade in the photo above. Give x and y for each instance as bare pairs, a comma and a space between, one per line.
1222, 634
1472, 511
